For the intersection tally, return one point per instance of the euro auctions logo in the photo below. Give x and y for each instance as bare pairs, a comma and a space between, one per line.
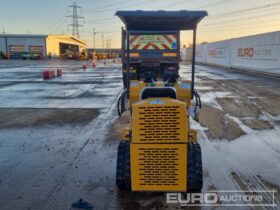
212, 53
246, 52
218, 53
192, 199
261, 198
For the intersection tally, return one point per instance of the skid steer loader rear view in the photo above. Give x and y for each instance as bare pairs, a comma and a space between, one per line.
159, 151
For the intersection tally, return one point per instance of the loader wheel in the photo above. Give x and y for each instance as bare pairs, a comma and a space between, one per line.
195, 176
123, 174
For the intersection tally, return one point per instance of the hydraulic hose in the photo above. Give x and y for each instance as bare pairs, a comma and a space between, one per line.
121, 102
197, 101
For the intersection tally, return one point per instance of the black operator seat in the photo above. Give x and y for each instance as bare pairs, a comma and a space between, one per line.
155, 92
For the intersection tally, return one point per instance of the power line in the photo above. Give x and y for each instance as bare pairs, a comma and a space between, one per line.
107, 6
57, 28
174, 4
264, 12
108, 20
98, 20
198, 7
167, 5
128, 6
240, 19
227, 14
214, 17
56, 24
111, 20
212, 4
237, 26
105, 32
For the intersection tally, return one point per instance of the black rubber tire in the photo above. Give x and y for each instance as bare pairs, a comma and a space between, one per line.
195, 174
127, 168
120, 165
123, 173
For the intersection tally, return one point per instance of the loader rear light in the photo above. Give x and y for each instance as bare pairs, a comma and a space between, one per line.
134, 54
169, 54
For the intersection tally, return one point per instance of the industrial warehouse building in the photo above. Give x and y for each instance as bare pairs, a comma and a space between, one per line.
60, 44
43, 45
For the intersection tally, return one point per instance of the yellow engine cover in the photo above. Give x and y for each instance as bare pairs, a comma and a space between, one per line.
159, 167
183, 90
159, 120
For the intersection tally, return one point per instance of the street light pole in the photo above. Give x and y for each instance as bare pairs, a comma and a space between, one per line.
109, 42
94, 33
103, 40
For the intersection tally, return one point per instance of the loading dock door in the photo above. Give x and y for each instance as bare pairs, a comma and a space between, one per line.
39, 50
68, 48
16, 51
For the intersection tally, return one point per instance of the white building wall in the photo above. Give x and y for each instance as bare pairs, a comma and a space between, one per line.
259, 53
218, 53
200, 53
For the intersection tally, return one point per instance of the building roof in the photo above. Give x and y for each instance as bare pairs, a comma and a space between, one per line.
161, 20
41, 36
68, 36
23, 35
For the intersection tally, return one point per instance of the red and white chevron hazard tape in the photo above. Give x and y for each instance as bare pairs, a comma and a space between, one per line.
153, 42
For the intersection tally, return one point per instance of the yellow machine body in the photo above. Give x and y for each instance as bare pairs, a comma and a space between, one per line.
160, 132
159, 151
159, 120
158, 167
183, 90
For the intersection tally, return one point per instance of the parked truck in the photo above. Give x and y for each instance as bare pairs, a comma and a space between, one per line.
153, 53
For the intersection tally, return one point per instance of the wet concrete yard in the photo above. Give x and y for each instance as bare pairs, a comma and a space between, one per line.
59, 138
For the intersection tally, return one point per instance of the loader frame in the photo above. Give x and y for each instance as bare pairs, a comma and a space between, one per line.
159, 151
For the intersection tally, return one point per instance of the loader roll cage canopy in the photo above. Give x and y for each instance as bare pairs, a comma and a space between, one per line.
161, 21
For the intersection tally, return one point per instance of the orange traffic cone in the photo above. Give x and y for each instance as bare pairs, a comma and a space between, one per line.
94, 64
84, 66
59, 72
